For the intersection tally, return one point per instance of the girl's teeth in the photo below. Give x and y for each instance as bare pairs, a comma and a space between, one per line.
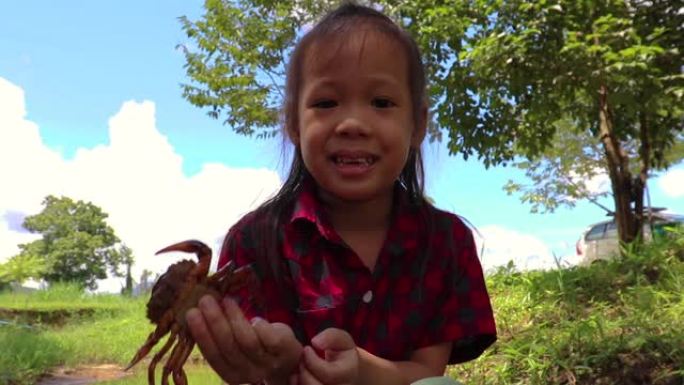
362, 161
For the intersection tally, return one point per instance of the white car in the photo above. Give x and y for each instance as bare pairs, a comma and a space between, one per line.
600, 240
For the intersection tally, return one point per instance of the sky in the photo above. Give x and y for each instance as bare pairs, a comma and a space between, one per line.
91, 108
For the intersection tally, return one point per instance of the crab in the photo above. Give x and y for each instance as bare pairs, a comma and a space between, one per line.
174, 293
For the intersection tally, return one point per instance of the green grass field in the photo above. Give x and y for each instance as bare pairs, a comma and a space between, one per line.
618, 322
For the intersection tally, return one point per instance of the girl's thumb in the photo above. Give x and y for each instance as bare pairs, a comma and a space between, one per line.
333, 339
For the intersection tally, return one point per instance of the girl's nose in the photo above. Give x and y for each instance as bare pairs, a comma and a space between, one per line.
352, 127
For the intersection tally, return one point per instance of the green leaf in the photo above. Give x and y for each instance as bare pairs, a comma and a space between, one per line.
501, 74
77, 245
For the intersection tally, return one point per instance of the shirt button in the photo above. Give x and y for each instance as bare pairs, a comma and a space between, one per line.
368, 296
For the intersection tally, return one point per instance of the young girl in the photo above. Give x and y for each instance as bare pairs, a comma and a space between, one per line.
361, 280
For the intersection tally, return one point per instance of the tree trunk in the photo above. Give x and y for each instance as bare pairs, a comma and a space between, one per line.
618, 170
129, 280
640, 182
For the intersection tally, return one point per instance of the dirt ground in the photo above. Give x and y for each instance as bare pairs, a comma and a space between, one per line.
83, 375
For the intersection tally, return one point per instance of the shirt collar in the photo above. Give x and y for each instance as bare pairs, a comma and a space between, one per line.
308, 208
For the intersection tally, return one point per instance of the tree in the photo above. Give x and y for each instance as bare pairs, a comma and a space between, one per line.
504, 74
77, 244
613, 66
571, 168
146, 282
127, 259
20, 268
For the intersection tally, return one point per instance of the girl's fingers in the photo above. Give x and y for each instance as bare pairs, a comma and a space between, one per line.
280, 344
318, 366
271, 342
338, 367
333, 339
205, 342
222, 333
214, 334
305, 376
294, 379
275, 337
267, 335
245, 336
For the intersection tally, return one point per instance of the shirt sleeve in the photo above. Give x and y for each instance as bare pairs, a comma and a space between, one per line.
462, 312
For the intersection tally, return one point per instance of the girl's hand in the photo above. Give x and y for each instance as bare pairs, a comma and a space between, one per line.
241, 351
341, 362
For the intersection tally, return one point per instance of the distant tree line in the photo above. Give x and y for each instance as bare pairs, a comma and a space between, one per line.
76, 245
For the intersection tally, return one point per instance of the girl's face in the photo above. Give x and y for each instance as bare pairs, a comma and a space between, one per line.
356, 122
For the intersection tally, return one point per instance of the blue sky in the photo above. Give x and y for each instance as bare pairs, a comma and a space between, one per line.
91, 88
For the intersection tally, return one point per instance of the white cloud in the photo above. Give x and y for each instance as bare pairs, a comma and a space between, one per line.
672, 183
498, 245
137, 179
10, 239
599, 183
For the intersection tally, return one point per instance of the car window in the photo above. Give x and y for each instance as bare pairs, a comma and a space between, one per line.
596, 232
611, 230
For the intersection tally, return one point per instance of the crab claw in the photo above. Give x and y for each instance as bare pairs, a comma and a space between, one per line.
202, 251
191, 246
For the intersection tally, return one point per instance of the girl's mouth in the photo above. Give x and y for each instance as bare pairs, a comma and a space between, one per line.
354, 165
354, 161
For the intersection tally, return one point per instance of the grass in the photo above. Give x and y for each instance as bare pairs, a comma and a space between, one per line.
613, 322
197, 374
63, 326
63, 302
60, 296
25, 355
102, 338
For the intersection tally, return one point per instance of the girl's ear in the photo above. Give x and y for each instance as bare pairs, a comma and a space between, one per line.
421, 127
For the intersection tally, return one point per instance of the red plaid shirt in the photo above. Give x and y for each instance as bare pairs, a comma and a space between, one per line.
427, 286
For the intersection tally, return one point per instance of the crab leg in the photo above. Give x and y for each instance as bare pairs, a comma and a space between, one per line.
169, 365
179, 377
181, 288
160, 354
153, 338
228, 279
219, 278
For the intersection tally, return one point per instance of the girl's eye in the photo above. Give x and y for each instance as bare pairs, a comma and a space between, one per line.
382, 103
326, 103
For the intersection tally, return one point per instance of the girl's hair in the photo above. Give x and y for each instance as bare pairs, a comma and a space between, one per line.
336, 25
